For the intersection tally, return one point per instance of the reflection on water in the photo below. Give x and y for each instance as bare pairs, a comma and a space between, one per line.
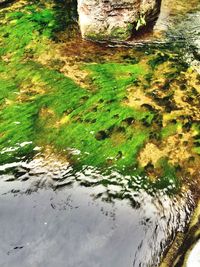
81, 221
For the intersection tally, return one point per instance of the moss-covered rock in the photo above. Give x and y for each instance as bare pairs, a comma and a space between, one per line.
115, 20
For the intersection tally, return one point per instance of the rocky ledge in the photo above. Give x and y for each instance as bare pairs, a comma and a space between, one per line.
115, 19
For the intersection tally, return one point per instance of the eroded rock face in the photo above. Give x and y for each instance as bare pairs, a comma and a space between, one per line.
115, 19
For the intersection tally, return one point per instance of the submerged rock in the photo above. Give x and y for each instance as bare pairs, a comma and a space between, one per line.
115, 20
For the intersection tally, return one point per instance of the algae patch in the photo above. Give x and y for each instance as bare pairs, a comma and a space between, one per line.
130, 111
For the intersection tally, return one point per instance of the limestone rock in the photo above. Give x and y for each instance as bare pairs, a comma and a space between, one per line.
115, 19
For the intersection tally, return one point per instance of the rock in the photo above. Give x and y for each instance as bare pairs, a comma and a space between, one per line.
115, 19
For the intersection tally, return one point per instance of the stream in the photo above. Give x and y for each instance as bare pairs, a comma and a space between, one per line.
68, 201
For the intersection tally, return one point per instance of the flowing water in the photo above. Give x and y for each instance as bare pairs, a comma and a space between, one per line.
99, 143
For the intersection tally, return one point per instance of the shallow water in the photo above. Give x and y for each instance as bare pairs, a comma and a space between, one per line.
95, 207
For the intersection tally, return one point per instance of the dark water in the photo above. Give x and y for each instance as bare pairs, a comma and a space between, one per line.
53, 215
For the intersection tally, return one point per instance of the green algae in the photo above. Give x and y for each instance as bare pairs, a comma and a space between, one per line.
92, 113
93, 125
25, 26
121, 34
62, 97
170, 129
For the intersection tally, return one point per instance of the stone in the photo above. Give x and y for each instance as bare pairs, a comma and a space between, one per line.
103, 20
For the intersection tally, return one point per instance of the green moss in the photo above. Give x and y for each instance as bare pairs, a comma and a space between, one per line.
170, 129
26, 25
117, 33
88, 112
196, 130
120, 33
168, 179
100, 111
17, 130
